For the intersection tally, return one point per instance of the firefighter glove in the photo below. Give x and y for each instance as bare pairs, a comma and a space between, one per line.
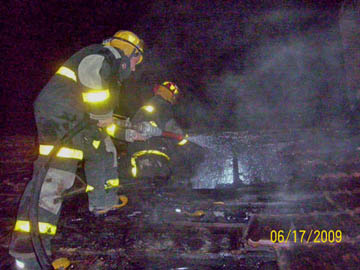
132, 135
148, 130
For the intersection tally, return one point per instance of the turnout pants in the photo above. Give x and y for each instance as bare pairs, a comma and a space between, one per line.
92, 147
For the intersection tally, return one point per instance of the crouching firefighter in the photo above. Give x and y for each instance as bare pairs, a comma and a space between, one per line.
153, 158
83, 90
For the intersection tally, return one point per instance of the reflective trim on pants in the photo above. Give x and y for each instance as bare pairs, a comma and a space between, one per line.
64, 152
44, 228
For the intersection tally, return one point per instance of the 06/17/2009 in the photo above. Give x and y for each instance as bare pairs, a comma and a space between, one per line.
305, 236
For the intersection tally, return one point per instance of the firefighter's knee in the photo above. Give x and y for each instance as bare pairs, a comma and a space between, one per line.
56, 182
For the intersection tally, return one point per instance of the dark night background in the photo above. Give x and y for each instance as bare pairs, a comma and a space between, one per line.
241, 64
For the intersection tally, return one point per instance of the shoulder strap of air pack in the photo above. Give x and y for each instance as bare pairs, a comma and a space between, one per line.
116, 59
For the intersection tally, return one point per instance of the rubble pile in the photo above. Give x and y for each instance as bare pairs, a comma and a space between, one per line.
277, 200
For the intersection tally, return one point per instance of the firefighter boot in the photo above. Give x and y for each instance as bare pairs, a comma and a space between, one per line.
26, 264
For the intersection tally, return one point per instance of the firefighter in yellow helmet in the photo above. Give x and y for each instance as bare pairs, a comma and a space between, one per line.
152, 158
129, 43
84, 89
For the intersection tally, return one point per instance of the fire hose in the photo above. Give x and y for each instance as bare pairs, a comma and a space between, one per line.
40, 174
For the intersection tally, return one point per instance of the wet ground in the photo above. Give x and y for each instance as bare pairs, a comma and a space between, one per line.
307, 219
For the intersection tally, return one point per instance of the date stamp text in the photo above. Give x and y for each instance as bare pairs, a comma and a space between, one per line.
306, 236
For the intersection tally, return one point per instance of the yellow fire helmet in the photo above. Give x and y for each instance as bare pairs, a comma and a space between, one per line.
168, 90
129, 43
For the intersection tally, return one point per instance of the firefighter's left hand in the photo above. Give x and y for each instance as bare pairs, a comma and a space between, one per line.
106, 122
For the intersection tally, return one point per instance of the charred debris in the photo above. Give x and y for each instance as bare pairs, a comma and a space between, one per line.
221, 217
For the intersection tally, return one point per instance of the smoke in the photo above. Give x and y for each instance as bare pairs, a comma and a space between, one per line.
293, 81
244, 66
290, 80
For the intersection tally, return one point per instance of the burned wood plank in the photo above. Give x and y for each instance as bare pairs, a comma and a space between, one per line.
208, 225
150, 229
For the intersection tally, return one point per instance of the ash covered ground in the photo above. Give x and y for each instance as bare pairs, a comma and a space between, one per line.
229, 226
